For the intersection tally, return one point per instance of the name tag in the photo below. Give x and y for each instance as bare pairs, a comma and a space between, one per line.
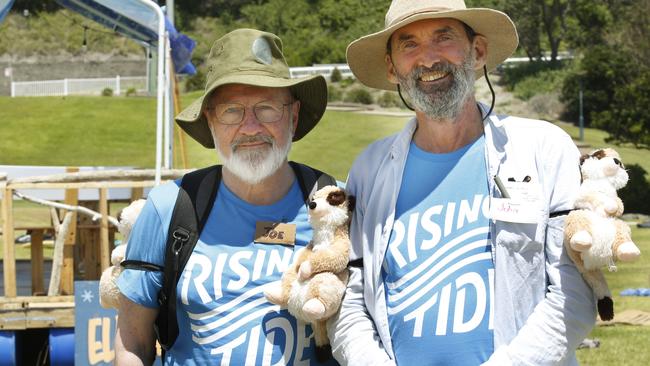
506, 209
524, 205
267, 232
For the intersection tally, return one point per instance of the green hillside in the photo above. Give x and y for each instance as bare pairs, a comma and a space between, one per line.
114, 131
120, 131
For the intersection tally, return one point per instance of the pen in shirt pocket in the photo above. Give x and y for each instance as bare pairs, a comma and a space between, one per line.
501, 187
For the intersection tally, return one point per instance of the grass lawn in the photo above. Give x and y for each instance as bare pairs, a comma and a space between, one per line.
624, 344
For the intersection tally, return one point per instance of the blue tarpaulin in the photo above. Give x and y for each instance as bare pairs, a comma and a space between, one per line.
137, 21
5, 5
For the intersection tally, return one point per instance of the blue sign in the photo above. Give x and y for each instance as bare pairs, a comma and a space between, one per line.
94, 327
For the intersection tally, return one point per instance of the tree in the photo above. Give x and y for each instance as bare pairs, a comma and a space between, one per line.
627, 118
600, 71
554, 15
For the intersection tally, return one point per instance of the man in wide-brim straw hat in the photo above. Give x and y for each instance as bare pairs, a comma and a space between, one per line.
459, 216
250, 112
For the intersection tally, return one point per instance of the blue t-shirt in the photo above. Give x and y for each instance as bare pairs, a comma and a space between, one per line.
222, 313
438, 270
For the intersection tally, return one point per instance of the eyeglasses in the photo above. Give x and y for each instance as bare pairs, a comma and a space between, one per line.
267, 111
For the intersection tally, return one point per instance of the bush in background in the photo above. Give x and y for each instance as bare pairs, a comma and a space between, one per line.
359, 95
336, 75
334, 94
347, 82
389, 99
546, 106
130, 92
195, 82
107, 92
636, 194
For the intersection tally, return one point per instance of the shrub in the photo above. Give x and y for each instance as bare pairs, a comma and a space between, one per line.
359, 95
107, 92
546, 105
195, 82
346, 82
636, 194
336, 75
334, 94
130, 92
543, 81
601, 71
389, 99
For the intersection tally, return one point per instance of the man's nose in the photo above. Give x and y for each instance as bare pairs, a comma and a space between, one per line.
249, 124
429, 55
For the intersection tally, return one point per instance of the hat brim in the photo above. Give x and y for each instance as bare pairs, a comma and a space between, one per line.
366, 55
311, 91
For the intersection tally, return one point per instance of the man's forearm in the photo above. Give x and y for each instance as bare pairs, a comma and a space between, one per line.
135, 343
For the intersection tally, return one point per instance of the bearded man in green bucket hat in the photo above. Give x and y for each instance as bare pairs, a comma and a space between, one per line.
251, 112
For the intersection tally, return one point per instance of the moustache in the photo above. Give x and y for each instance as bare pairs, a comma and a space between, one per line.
444, 67
248, 139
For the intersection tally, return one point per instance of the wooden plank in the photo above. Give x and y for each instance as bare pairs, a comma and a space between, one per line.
12, 319
103, 175
81, 185
26, 312
137, 193
36, 250
49, 318
68, 270
9, 261
32, 301
104, 250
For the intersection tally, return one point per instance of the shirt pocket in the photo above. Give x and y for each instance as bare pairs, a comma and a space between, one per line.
524, 256
518, 239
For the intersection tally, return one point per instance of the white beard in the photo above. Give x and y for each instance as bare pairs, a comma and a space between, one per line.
254, 165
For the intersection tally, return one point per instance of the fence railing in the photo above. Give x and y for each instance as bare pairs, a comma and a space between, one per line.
43, 88
325, 70
121, 83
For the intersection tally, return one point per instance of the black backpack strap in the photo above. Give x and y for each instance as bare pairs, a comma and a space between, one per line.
140, 265
196, 196
310, 179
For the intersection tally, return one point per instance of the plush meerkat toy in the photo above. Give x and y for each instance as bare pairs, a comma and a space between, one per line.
108, 290
313, 286
593, 235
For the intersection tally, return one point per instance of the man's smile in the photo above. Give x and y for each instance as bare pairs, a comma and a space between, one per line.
429, 76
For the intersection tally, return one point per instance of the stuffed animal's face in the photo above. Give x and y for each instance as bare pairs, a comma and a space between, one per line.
330, 205
604, 164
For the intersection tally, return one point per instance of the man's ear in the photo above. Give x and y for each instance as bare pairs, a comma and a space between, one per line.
390, 70
479, 45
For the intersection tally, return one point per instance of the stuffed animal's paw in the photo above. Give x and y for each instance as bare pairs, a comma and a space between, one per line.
581, 241
304, 272
314, 309
273, 293
108, 291
627, 252
118, 254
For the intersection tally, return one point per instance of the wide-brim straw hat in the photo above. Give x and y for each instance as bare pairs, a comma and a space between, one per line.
252, 57
366, 54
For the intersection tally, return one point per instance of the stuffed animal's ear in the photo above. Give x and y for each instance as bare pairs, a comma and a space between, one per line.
352, 202
583, 158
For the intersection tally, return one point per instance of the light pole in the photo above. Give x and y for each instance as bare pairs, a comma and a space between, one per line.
581, 118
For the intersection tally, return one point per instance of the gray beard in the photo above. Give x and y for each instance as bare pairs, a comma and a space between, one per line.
254, 165
445, 102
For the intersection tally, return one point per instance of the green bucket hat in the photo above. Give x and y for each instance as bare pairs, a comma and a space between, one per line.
252, 57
